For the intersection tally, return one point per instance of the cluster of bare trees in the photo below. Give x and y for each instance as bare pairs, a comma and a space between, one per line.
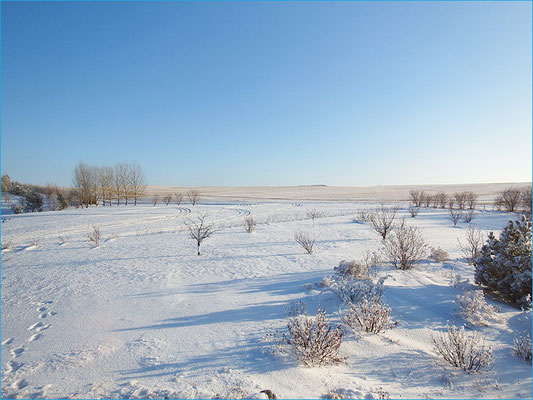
123, 182
459, 200
192, 195
512, 199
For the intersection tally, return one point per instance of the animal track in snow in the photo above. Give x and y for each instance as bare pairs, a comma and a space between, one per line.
35, 337
17, 351
7, 341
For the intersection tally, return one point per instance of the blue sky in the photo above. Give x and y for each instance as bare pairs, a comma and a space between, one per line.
268, 93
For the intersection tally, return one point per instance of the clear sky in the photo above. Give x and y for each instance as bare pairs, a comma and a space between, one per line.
268, 93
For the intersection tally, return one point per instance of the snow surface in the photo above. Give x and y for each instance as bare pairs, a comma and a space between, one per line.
141, 316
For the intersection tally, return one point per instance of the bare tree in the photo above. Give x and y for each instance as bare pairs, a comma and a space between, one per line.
471, 200
442, 199
417, 197
510, 199
313, 214
469, 216
136, 182
83, 180
460, 199
413, 211
178, 196
382, 220
200, 229
120, 182
194, 196
105, 182
405, 246
249, 224
474, 241
427, 199
451, 203
155, 199
305, 240
455, 215
167, 199
93, 235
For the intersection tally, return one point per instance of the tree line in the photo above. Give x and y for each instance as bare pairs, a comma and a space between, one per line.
122, 183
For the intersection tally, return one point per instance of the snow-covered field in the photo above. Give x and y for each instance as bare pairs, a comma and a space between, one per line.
143, 316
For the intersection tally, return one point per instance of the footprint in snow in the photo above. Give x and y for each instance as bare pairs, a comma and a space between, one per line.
38, 326
7, 341
35, 337
17, 351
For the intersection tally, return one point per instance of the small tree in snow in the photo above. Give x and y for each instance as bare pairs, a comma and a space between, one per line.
505, 264
200, 229
194, 196
382, 220
405, 246
474, 241
305, 240
249, 224
178, 197
455, 215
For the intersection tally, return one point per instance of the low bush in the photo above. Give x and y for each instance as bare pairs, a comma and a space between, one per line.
460, 350
522, 347
405, 246
473, 308
439, 255
93, 234
370, 315
17, 209
352, 291
305, 240
314, 341
249, 224
296, 308
351, 270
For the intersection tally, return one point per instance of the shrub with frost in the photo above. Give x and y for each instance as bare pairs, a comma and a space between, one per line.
314, 341
405, 246
296, 308
460, 350
473, 308
351, 269
352, 291
522, 347
17, 209
369, 314
505, 263
439, 255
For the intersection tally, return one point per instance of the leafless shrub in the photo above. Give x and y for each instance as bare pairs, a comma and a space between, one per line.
200, 229
451, 203
439, 255
315, 342
471, 200
352, 291
474, 241
167, 199
178, 197
7, 245
417, 197
155, 199
326, 282
405, 246
442, 199
455, 215
372, 260
313, 214
468, 216
460, 199
249, 224
413, 211
362, 216
194, 196
382, 220
463, 351
296, 308
351, 270
473, 308
305, 240
369, 314
35, 242
427, 199
63, 239
522, 347
93, 234
510, 199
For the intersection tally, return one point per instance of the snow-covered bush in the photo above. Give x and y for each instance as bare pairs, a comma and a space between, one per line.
326, 282
413, 211
522, 347
439, 255
505, 264
369, 314
352, 291
372, 261
249, 224
33, 201
351, 270
405, 246
94, 236
473, 308
296, 308
314, 341
305, 240
7, 245
17, 209
460, 350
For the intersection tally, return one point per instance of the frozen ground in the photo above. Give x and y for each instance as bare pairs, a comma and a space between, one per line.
143, 316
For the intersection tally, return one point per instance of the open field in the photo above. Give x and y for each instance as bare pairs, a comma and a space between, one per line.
143, 316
